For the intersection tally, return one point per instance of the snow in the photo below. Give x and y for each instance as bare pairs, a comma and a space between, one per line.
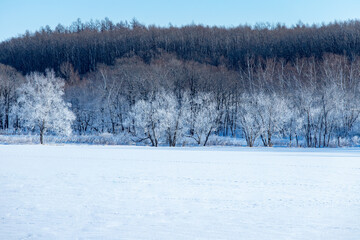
121, 192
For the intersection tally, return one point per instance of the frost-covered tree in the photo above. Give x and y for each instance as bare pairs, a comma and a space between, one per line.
340, 113
205, 117
145, 122
41, 106
309, 104
176, 113
162, 117
249, 119
273, 113
293, 127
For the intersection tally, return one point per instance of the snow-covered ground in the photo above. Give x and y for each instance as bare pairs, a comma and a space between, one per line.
102, 192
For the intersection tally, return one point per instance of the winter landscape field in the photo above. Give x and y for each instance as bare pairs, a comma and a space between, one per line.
123, 192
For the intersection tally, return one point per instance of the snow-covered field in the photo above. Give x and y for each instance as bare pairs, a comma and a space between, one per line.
100, 192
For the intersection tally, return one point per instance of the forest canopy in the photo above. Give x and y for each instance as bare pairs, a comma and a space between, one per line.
85, 45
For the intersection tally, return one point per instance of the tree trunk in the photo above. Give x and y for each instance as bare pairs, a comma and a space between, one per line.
297, 140
263, 140
42, 129
207, 136
41, 138
270, 144
290, 140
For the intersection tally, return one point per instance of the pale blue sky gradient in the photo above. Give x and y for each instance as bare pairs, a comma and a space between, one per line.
17, 16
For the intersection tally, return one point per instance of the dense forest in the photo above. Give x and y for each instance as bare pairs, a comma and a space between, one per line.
184, 85
85, 45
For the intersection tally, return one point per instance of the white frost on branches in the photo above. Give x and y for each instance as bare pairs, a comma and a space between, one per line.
205, 116
162, 117
41, 105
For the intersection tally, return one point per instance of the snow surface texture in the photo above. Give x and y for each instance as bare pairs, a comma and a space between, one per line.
102, 192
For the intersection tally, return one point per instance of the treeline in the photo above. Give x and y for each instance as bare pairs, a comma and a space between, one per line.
179, 86
307, 102
85, 45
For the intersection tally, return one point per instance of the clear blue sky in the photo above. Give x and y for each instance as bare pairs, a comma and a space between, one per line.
17, 16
